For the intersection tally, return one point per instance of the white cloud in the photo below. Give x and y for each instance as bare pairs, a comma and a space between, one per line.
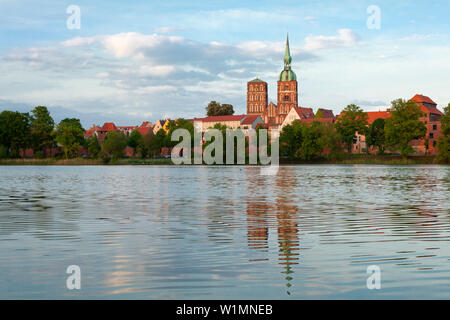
168, 29
344, 38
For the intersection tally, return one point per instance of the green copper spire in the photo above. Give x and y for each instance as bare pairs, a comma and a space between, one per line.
287, 74
287, 54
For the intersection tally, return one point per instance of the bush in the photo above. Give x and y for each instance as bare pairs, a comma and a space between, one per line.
105, 157
39, 155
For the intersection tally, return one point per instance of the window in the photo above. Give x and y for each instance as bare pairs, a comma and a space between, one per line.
434, 143
434, 127
286, 98
431, 135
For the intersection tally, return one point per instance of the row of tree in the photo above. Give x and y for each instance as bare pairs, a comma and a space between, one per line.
19, 131
38, 131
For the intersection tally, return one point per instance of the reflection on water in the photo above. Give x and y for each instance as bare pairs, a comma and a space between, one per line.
225, 232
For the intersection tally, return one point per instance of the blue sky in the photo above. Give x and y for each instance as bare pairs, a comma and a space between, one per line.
145, 60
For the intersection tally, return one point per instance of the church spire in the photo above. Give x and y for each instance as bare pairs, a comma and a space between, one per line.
287, 54
287, 74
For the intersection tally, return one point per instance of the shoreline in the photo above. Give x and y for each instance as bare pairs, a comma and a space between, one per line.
355, 159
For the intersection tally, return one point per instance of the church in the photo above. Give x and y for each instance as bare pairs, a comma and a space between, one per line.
287, 96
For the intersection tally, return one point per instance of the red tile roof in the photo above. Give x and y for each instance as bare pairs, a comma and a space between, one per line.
108, 126
249, 119
374, 115
144, 130
330, 120
221, 118
326, 113
426, 104
146, 124
421, 98
304, 113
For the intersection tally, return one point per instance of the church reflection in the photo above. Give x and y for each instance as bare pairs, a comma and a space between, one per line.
275, 212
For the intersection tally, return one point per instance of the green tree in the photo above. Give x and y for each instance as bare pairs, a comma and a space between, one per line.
42, 126
70, 135
403, 126
114, 144
330, 140
14, 132
93, 146
319, 114
144, 146
216, 109
444, 139
227, 110
311, 147
376, 135
291, 139
351, 120
135, 140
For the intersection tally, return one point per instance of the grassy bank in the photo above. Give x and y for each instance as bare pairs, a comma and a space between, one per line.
82, 162
353, 159
369, 159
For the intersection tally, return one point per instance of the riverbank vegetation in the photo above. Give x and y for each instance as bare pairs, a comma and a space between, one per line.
300, 142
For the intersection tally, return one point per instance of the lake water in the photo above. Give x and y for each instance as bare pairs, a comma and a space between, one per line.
156, 232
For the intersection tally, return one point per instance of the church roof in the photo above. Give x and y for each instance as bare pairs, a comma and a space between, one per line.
257, 80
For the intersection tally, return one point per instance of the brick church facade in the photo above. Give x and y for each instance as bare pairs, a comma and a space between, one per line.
287, 94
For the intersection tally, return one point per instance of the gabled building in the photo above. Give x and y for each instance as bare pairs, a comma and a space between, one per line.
297, 113
161, 124
243, 122
145, 128
360, 144
126, 130
325, 113
93, 130
103, 131
432, 120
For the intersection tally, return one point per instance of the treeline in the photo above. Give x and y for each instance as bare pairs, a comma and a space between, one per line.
309, 141
38, 131
149, 145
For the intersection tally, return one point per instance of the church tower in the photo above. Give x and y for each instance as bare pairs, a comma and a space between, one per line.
287, 87
256, 97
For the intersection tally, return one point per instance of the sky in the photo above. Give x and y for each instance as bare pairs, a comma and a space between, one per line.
137, 61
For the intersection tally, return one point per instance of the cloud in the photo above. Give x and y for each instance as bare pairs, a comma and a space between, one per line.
344, 38
368, 103
168, 29
136, 73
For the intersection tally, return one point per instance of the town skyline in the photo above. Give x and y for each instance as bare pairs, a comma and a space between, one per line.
173, 65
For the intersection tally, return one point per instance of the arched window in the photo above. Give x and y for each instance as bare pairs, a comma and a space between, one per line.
286, 98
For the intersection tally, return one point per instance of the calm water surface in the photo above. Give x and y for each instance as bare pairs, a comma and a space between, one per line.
159, 232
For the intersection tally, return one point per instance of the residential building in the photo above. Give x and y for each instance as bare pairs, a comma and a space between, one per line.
432, 120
